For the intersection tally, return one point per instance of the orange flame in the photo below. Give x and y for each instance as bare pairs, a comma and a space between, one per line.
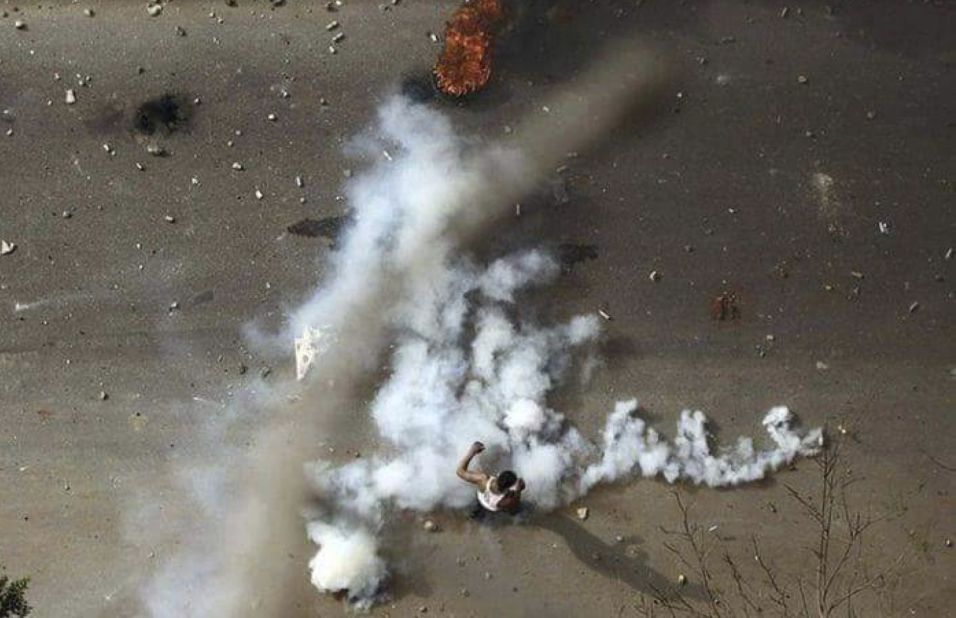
465, 63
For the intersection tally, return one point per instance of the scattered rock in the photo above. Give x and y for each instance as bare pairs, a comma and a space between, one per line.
20, 24
299, 182
70, 97
259, 194
180, 31
272, 117
169, 219
430, 526
822, 366
604, 314
237, 166
681, 579
89, 12
104, 396
583, 513
6, 248
154, 9
914, 306
654, 276
802, 79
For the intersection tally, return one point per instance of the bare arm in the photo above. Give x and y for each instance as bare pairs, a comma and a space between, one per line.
474, 477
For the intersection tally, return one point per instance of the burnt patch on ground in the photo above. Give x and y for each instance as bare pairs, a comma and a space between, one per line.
167, 113
571, 254
326, 227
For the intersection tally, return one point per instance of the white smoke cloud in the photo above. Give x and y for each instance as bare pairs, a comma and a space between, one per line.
446, 390
430, 195
463, 367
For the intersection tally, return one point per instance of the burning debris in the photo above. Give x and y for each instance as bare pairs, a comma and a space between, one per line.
464, 65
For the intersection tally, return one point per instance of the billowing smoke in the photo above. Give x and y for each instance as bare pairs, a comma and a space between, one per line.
465, 366
465, 363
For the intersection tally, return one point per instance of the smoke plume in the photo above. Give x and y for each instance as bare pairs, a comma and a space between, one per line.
464, 365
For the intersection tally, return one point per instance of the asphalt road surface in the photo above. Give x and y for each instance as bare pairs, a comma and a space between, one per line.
801, 165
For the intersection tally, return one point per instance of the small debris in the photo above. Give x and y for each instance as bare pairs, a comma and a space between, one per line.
154, 9
856, 274
802, 79
948, 542
583, 513
70, 96
237, 166
430, 526
259, 194
913, 307
949, 254
654, 276
884, 227
433, 37
173, 306
784, 12
725, 307
156, 150
681, 579
332, 25
298, 182
822, 366
272, 117
169, 219
6, 248
104, 396
870, 114
20, 24
88, 12
604, 314
180, 31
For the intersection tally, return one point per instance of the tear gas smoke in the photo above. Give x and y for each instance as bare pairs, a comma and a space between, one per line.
463, 370
396, 276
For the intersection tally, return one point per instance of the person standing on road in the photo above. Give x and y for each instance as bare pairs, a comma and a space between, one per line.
498, 493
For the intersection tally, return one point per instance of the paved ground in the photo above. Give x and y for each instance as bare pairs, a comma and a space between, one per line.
767, 170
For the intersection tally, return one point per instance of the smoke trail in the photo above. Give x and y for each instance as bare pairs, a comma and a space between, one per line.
462, 370
393, 249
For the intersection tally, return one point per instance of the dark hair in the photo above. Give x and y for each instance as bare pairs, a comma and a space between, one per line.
506, 480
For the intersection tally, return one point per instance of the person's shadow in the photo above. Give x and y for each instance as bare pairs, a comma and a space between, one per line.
622, 561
